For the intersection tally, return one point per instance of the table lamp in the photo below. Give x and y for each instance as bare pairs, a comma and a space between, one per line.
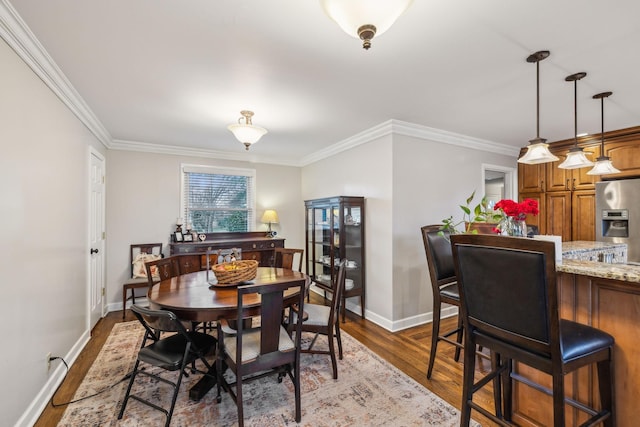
270, 216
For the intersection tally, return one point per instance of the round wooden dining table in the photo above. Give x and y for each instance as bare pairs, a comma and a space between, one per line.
191, 296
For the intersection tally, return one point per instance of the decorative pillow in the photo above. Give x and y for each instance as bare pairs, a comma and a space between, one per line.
139, 269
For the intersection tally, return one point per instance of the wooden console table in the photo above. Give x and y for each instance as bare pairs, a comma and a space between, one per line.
253, 244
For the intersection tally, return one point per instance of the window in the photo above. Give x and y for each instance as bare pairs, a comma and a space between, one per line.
218, 199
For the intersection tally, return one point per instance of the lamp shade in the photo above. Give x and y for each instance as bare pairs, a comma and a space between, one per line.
576, 158
270, 216
537, 152
603, 166
353, 15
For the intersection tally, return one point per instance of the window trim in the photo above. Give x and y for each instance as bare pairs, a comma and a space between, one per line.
219, 170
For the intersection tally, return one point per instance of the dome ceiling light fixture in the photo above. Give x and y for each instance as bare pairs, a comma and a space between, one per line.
364, 19
576, 158
245, 131
603, 164
538, 149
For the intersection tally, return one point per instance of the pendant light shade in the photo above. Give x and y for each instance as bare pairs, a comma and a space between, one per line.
364, 19
576, 157
538, 149
603, 164
245, 131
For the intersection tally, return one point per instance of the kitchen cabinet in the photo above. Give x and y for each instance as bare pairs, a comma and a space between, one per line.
531, 178
335, 231
625, 156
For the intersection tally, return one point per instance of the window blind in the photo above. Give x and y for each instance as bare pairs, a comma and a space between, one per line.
218, 199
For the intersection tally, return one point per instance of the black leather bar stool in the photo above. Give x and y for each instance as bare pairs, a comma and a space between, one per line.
509, 304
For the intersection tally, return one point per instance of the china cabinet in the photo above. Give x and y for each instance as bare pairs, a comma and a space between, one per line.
335, 231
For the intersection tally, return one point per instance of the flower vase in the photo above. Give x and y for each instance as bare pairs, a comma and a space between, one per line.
517, 227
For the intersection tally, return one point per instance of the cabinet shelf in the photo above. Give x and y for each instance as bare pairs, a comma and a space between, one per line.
335, 231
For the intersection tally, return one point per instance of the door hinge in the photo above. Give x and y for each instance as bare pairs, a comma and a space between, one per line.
103, 179
104, 235
102, 291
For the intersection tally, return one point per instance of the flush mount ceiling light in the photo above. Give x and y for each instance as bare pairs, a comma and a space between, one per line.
538, 149
364, 19
576, 157
245, 131
603, 164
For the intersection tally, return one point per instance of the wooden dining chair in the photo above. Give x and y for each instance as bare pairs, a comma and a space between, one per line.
509, 304
253, 352
139, 253
325, 320
285, 258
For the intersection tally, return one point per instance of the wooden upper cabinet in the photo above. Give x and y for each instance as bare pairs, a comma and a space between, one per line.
531, 178
570, 179
625, 156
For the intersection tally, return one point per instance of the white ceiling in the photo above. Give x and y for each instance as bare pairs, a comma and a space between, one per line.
176, 73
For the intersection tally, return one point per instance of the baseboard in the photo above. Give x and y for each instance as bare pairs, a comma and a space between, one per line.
391, 325
31, 415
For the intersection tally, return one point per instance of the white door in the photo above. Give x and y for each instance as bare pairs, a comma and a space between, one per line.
96, 239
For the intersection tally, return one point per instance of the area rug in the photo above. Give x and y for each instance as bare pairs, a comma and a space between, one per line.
369, 392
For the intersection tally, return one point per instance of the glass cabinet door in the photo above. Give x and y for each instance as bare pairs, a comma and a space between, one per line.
335, 231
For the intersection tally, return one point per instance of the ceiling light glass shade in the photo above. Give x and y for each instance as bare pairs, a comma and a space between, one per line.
353, 15
576, 159
537, 152
245, 131
603, 166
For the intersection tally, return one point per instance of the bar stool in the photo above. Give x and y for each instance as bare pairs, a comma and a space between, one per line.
509, 304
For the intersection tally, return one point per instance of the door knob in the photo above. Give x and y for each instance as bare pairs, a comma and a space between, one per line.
94, 251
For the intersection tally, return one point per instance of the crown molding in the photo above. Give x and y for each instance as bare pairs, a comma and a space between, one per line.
398, 127
446, 137
145, 147
20, 38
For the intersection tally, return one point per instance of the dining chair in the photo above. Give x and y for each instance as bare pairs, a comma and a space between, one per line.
325, 320
509, 304
139, 253
284, 258
162, 269
172, 353
444, 286
253, 352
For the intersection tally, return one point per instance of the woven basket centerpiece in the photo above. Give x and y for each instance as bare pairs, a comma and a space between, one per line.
235, 271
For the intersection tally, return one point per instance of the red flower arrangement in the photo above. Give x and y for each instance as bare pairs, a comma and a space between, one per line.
517, 210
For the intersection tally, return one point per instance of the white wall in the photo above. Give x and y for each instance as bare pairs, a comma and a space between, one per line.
364, 170
143, 202
430, 180
44, 186
408, 182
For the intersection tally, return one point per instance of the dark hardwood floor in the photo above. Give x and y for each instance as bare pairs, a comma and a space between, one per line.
408, 350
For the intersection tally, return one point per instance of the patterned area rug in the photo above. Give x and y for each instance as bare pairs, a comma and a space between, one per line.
369, 392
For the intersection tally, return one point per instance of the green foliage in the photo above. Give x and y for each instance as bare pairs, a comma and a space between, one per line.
478, 213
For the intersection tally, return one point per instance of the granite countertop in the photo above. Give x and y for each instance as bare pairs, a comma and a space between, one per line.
580, 257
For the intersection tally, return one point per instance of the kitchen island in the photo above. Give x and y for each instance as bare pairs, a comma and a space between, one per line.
605, 295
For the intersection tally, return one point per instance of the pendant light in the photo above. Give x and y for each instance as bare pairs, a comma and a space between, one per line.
538, 149
603, 164
576, 157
